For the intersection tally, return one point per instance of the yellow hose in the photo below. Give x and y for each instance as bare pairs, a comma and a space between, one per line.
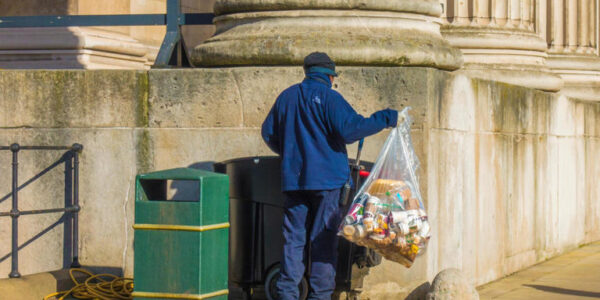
97, 287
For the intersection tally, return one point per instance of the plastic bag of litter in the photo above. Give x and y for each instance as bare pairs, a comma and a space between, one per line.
387, 213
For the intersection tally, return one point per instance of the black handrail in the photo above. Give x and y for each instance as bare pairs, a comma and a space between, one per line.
15, 213
173, 19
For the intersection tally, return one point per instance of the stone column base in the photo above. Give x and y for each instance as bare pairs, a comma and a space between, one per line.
510, 55
350, 37
580, 72
70, 47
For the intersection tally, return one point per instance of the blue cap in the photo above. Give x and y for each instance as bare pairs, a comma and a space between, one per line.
319, 62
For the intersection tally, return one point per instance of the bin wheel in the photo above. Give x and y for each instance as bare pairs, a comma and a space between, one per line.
271, 289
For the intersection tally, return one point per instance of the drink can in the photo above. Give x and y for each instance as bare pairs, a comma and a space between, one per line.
425, 230
400, 242
353, 219
382, 221
415, 225
354, 214
398, 216
402, 228
362, 200
372, 204
369, 224
360, 232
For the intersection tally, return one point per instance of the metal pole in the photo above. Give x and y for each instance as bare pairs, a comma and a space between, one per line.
76, 149
14, 212
173, 34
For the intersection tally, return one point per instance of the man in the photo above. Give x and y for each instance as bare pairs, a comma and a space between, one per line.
309, 127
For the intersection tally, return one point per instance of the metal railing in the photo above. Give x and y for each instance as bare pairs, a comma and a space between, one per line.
73, 207
172, 51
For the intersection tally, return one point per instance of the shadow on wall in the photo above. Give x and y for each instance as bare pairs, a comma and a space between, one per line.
194, 35
66, 160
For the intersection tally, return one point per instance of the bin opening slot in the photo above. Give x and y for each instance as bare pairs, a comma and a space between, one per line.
170, 190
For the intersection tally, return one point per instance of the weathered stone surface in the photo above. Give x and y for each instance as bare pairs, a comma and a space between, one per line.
358, 33
428, 7
194, 98
450, 284
592, 191
50, 99
371, 89
503, 41
591, 120
31, 7
498, 161
366, 89
257, 102
202, 147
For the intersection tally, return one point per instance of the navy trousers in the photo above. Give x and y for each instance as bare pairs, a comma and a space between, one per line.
313, 215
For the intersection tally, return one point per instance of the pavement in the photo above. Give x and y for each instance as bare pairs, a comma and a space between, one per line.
574, 275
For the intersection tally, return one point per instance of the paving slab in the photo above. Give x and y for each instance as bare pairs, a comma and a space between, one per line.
574, 275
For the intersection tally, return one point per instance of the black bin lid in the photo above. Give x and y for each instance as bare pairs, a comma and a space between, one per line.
255, 179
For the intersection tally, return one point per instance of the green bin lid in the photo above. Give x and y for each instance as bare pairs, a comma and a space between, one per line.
179, 174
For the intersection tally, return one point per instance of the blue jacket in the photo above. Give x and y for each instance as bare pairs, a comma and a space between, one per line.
309, 126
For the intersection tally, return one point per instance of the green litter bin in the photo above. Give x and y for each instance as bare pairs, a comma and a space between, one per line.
181, 235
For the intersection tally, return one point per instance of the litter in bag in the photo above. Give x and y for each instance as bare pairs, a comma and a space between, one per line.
387, 213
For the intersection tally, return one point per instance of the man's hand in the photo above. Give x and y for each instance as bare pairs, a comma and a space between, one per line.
402, 116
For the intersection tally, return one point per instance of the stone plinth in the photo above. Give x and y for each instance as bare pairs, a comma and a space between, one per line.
108, 47
72, 47
572, 46
499, 41
580, 72
375, 32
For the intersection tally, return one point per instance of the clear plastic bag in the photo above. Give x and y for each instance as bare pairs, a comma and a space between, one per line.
387, 213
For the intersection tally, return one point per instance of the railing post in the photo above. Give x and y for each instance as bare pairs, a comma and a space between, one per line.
14, 212
76, 149
173, 41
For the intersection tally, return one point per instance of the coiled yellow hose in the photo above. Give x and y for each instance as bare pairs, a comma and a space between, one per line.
96, 287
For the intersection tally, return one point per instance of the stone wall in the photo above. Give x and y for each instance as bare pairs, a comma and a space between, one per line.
508, 172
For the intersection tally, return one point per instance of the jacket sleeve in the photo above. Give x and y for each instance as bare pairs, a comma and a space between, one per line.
270, 130
351, 127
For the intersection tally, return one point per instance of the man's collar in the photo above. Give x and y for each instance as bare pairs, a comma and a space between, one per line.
319, 77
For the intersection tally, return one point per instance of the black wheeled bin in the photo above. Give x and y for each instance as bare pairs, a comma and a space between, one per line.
255, 238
